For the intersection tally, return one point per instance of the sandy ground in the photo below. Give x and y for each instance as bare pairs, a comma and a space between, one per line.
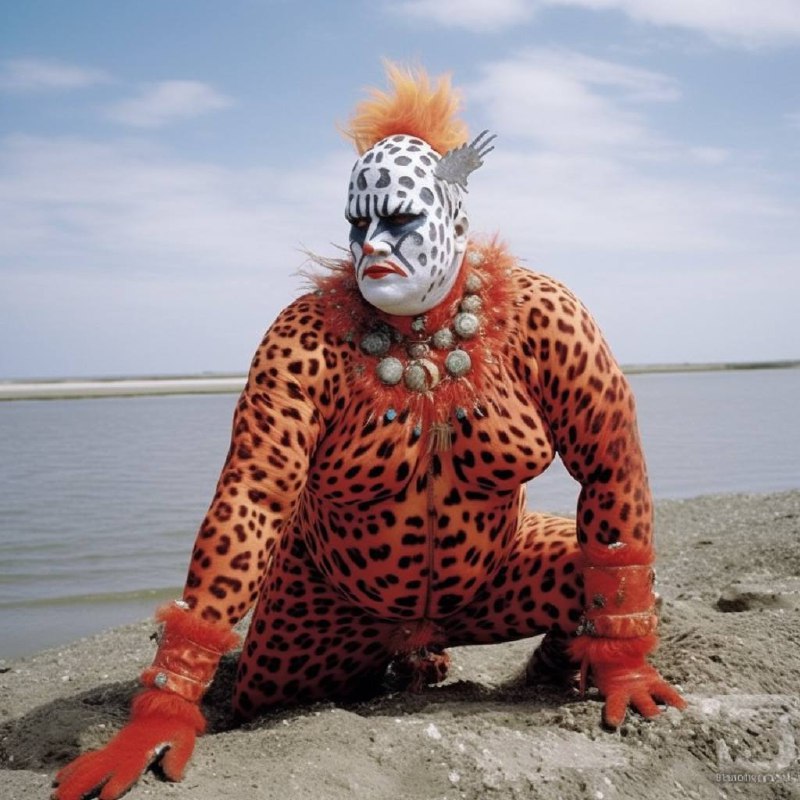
729, 575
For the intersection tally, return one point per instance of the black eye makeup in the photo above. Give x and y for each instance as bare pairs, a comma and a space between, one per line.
400, 220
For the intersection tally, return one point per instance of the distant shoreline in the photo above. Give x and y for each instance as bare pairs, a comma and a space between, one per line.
85, 388
225, 383
721, 366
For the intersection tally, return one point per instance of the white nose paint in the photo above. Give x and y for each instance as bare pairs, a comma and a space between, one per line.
376, 248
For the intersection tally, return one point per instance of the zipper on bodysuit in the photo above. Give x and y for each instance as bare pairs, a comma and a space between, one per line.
431, 514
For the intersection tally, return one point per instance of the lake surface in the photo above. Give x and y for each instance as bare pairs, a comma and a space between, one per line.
100, 499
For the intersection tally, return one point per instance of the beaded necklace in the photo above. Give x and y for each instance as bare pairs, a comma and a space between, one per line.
429, 369
419, 373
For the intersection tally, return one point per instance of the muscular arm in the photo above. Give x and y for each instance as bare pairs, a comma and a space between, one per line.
591, 412
276, 427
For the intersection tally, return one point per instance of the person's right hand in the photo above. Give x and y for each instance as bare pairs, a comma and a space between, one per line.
163, 726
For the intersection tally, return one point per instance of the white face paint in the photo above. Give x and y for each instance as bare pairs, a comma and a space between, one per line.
408, 228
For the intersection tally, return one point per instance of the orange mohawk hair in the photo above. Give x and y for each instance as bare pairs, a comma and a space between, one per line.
414, 108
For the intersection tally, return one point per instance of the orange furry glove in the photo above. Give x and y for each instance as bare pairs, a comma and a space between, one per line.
619, 670
618, 631
637, 685
165, 719
163, 726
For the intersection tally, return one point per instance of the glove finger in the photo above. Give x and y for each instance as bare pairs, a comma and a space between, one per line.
615, 708
644, 704
666, 694
74, 766
77, 791
129, 762
177, 756
83, 778
125, 775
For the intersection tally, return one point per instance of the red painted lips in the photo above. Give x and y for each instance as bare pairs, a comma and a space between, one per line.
377, 271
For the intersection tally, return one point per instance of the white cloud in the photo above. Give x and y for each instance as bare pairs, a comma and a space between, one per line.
710, 155
661, 238
475, 15
181, 264
580, 168
566, 101
555, 203
34, 75
748, 22
634, 83
167, 101
740, 22
68, 203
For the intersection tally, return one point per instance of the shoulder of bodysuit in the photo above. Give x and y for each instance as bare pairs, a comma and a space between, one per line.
492, 257
304, 310
318, 318
531, 287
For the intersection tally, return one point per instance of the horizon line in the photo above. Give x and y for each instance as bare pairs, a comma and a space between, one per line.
233, 382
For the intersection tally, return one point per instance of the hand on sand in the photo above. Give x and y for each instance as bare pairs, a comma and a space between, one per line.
162, 727
638, 686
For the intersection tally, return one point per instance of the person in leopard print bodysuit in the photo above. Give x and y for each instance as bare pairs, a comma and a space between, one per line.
371, 511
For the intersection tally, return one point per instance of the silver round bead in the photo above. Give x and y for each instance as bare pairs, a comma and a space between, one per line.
390, 371
475, 258
434, 376
466, 325
471, 303
416, 378
418, 325
458, 363
376, 343
422, 375
418, 350
443, 339
161, 680
473, 283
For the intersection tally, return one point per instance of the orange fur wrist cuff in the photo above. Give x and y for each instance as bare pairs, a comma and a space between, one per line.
188, 653
151, 704
620, 602
590, 650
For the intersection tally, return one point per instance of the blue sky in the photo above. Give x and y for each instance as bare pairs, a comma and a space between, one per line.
163, 166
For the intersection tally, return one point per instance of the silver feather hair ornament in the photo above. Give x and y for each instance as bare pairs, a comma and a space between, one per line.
456, 165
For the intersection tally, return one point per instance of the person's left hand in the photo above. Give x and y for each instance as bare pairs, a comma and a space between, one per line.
639, 686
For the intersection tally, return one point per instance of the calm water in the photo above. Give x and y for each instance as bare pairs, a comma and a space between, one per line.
100, 499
